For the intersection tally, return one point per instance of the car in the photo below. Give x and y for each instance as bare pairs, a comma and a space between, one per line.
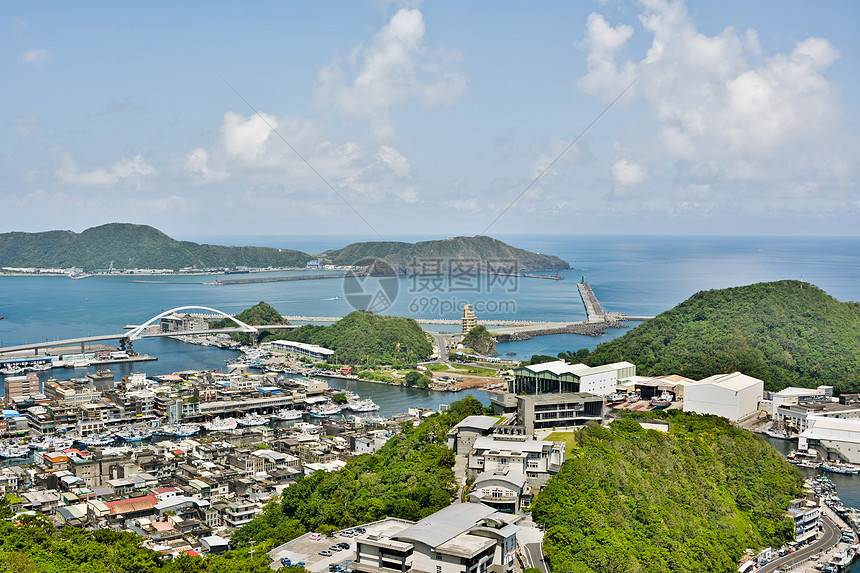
325, 553
286, 562
360, 530
343, 545
315, 536
336, 547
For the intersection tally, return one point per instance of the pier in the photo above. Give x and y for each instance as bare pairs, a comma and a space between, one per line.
592, 306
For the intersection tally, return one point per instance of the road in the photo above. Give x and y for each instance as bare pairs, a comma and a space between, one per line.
829, 537
534, 556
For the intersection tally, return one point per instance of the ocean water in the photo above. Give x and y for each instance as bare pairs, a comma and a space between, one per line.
638, 275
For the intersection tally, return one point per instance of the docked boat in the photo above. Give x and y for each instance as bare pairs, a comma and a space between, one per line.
135, 434
12, 451
662, 401
10, 370
840, 468
328, 410
616, 398
286, 415
178, 430
366, 405
94, 440
52, 443
220, 425
252, 420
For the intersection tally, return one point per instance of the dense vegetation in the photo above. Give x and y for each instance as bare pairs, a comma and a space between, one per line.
786, 333
410, 477
402, 257
260, 313
31, 545
127, 246
636, 500
365, 338
481, 341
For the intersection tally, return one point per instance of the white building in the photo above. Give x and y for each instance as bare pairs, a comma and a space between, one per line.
559, 376
837, 436
461, 538
734, 396
309, 350
537, 460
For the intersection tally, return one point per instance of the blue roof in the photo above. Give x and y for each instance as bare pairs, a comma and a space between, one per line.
11, 413
272, 389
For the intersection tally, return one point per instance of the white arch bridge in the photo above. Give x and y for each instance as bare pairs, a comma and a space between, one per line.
143, 331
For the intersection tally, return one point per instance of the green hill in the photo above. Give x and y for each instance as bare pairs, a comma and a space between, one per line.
786, 333
688, 501
365, 338
409, 257
127, 246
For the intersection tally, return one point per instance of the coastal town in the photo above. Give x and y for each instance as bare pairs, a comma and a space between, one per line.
185, 459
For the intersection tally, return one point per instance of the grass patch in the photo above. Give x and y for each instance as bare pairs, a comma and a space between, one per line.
568, 438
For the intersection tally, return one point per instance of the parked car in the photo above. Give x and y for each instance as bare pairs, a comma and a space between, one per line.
343, 545
325, 553
360, 530
315, 536
336, 547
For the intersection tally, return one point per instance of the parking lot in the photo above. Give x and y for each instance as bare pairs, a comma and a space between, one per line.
307, 549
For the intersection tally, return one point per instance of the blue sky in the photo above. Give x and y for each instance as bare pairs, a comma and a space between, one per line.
438, 118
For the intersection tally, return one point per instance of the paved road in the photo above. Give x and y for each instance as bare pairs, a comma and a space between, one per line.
829, 536
534, 556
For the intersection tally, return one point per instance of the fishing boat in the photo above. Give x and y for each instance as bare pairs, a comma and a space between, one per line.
616, 398
662, 401
52, 443
328, 410
366, 405
252, 420
286, 415
178, 430
220, 425
97, 440
135, 434
840, 468
13, 451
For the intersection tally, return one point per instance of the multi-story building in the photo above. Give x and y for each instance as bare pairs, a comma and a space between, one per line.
559, 376
461, 538
20, 386
537, 460
469, 320
558, 410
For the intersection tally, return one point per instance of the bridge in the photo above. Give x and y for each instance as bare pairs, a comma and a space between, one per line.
143, 331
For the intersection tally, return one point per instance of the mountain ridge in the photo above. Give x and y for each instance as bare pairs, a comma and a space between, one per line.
130, 246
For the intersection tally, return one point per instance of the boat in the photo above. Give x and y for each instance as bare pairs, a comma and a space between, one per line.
366, 405
840, 468
134, 434
13, 451
778, 434
616, 398
178, 430
52, 443
220, 425
11, 370
662, 401
97, 440
286, 415
252, 420
327, 410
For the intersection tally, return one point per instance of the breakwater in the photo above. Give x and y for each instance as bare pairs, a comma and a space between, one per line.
584, 328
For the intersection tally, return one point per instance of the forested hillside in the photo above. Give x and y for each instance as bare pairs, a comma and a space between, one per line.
690, 501
365, 338
127, 246
483, 250
786, 333
410, 477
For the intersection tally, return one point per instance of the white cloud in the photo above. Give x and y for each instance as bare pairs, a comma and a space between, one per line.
627, 173
724, 112
133, 169
35, 57
26, 127
249, 152
395, 67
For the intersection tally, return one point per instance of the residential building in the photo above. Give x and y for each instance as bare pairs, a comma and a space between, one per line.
20, 386
537, 460
462, 437
469, 320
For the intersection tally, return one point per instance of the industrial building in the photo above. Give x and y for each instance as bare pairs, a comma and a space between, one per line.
734, 396
309, 350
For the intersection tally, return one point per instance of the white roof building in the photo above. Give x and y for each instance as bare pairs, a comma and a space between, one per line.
734, 396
